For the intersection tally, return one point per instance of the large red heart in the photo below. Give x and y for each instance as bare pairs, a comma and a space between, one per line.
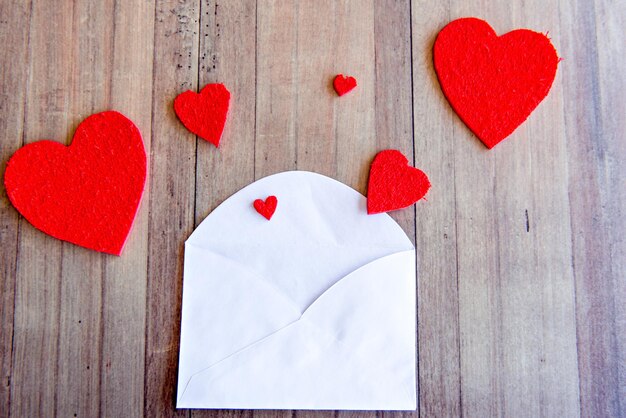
393, 184
205, 113
87, 193
493, 82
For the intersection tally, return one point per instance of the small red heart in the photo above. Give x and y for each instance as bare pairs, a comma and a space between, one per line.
204, 114
267, 207
343, 84
87, 193
493, 82
393, 184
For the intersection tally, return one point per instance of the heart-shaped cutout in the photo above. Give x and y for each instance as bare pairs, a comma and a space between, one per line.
87, 193
343, 84
204, 113
493, 82
393, 184
267, 207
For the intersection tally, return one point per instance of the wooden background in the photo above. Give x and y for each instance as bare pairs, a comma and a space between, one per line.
522, 267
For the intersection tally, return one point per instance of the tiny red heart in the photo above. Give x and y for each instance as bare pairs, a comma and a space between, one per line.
343, 84
267, 207
204, 114
393, 184
493, 82
88, 193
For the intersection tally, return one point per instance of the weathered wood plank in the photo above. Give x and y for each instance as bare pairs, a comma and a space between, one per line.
40, 258
125, 278
14, 31
436, 234
171, 206
80, 317
593, 117
394, 108
276, 87
541, 299
610, 23
316, 140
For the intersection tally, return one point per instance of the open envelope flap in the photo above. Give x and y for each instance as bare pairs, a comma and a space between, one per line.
353, 348
319, 233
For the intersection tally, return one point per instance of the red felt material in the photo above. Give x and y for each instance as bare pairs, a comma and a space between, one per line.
205, 113
267, 207
87, 193
343, 84
493, 82
393, 184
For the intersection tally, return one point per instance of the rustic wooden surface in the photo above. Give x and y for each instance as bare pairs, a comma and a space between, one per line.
522, 256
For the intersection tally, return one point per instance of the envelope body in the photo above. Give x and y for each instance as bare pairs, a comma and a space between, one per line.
313, 309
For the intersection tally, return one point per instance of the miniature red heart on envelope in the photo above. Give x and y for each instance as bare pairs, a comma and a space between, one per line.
393, 184
205, 113
343, 84
267, 207
493, 82
87, 193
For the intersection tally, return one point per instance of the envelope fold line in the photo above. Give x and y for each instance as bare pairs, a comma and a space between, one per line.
357, 270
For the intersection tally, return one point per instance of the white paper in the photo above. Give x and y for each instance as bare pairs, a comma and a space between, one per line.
314, 309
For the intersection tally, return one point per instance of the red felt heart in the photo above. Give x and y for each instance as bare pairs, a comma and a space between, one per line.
267, 207
493, 82
87, 193
204, 114
393, 184
343, 84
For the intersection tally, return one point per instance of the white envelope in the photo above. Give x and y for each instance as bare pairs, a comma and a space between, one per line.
314, 309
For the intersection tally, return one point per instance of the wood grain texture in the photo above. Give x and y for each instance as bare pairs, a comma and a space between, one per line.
394, 115
594, 123
124, 287
81, 276
172, 186
436, 232
14, 30
37, 330
521, 249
